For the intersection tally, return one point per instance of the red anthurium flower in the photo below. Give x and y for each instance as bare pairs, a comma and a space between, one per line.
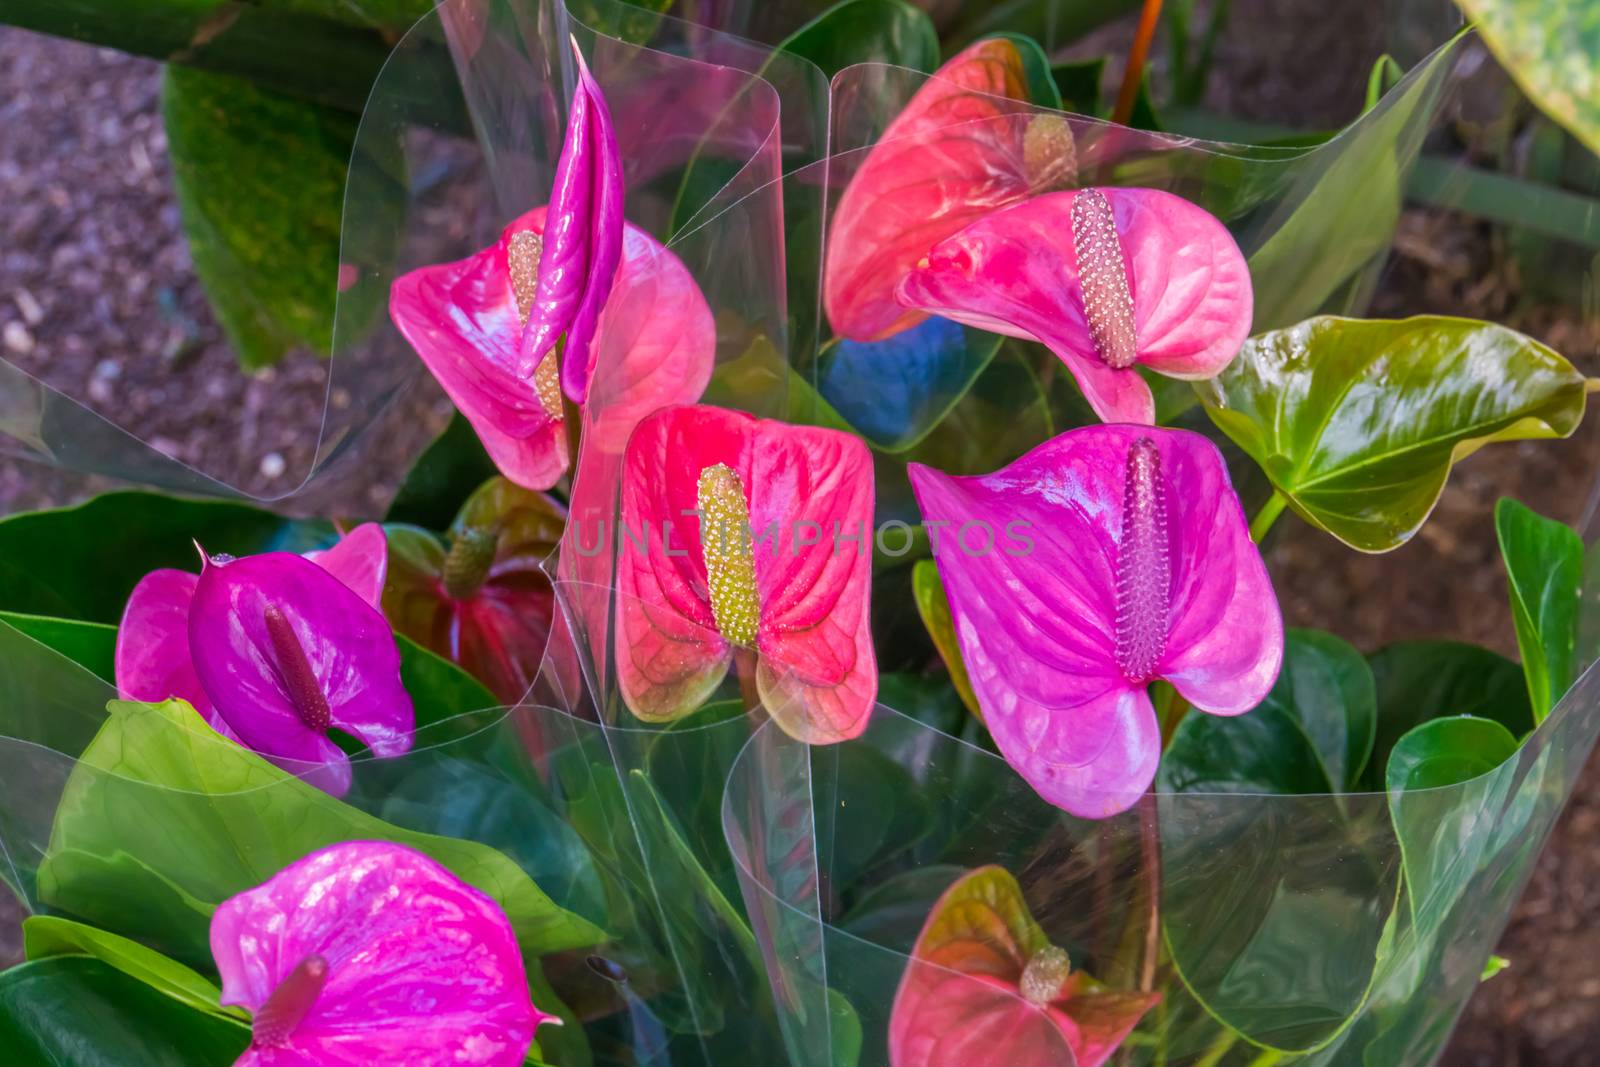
965, 145
1109, 279
273, 651
370, 953
1102, 560
481, 601
152, 657
777, 562
985, 988
655, 343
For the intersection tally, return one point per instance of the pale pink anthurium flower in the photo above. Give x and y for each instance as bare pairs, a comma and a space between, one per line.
367, 953
1119, 555
746, 535
1108, 279
275, 650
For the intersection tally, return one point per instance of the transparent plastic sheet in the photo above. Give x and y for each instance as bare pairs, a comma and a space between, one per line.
1283, 915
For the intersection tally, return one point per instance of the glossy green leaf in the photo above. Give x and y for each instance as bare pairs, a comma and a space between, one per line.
1358, 421
201, 819
1336, 221
1043, 90
1454, 799
1549, 46
59, 562
867, 31
260, 185
47, 936
51, 700
934, 607
442, 477
439, 689
77, 1011
1544, 568
1312, 734
1422, 680
1078, 84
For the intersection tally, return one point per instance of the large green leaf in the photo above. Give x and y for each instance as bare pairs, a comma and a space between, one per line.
77, 1011
61, 563
1544, 567
175, 816
1357, 422
867, 31
91, 645
1551, 49
50, 698
47, 936
1312, 734
1422, 680
260, 182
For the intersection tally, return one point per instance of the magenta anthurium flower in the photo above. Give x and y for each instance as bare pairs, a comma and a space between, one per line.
483, 600
655, 344
776, 565
273, 651
152, 656
370, 953
1109, 279
582, 243
1106, 558
964, 145
985, 988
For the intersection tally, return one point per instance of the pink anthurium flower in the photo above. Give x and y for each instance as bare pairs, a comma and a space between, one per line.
1109, 279
655, 344
576, 269
370, 953
985, 988
482, 601
273, 651
745, 535
966, 144
1106, 558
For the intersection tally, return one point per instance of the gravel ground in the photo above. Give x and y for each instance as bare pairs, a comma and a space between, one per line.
97, 298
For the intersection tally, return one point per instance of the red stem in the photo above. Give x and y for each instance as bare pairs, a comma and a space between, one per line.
1131, 77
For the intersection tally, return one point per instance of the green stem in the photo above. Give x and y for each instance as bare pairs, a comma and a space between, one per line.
1219, 1048
1267, 1058
1267, 516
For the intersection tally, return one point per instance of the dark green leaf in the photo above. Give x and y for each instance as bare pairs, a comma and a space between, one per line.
189, 819
1422, 680
76, 1011
1358, 421
46, 936
442, 478
60, 563
868, 809
1549, 46
867, 31
634, 21
50, 701
260, 184
1446, 752
1544, 567
91, 645
1079, 84
1043, 90
439, 689
1312, 734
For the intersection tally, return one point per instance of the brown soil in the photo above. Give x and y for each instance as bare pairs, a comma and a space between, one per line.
97, 297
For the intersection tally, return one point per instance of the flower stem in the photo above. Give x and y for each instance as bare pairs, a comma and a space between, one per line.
1267, 516
1219, 1048
1134, 74
1150, 861
744, 667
